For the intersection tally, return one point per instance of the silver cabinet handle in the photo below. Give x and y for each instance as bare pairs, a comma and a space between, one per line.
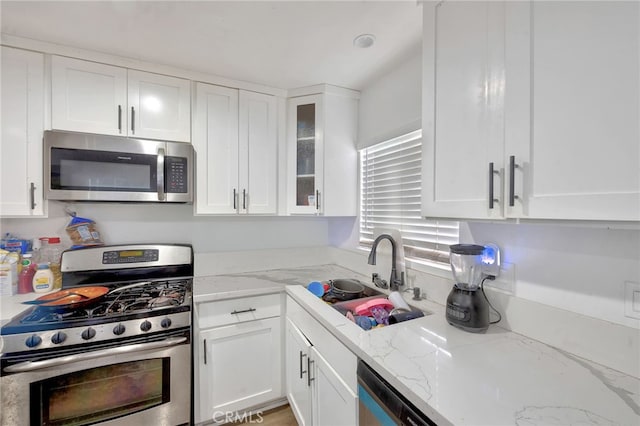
119, 350
160, 174
492, 198
302, 372
309, 378
205, 351
120, 118
512, 178
32, 195
133, 121
317, 200
244, 199
235, 202
242, 312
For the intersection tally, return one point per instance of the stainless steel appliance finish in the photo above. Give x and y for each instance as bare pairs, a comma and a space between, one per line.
381, 404
87, 167
124, 360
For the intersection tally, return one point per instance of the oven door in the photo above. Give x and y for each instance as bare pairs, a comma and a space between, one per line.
140, 382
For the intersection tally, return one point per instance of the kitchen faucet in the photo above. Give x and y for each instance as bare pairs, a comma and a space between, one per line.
394, 283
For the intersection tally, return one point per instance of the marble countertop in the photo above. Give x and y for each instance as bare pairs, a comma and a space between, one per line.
455, 377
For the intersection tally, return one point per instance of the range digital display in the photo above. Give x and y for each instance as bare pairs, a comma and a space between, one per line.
131, 253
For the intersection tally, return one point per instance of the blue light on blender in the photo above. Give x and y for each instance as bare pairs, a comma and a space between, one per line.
490, 256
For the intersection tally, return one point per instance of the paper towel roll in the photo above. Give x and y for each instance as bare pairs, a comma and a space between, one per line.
398, 302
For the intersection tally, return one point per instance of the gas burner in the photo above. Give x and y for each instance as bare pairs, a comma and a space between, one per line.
162, 301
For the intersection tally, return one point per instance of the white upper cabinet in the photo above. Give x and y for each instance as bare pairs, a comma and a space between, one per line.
258, 135
463, 126
22, 129
235, 138
575, 131
215, 140
98, 98
322, 156
545, 94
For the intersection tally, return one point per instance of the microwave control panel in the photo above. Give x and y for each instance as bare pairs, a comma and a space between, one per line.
176, 178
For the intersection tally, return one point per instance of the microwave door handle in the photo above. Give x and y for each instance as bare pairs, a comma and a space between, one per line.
160, 174
118, 350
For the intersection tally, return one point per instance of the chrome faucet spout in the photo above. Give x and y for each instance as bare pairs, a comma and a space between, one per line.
394, 282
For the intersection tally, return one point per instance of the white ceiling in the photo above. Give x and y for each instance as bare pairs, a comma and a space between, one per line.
281, 44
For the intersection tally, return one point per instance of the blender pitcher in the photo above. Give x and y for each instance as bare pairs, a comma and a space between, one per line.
466, 265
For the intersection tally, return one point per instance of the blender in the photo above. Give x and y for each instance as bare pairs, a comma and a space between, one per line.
467, 305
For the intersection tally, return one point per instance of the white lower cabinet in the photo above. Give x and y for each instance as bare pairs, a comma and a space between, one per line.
319, 390
239, 359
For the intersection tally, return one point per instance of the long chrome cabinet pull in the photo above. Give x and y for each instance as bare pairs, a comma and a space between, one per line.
492, 172
309, 378
244, 199
235, 194
242, 312
120, 118
512, 178
302, 355
32, 195
133, 120
205, 351
317, 200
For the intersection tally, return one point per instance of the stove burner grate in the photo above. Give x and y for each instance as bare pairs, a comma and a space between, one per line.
134, 298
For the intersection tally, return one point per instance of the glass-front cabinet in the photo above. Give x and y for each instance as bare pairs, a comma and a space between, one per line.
305, 155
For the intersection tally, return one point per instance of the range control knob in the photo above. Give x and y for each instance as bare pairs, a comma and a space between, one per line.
118, 329
165, 323
88, 334
145, 326
58, 338
33, 341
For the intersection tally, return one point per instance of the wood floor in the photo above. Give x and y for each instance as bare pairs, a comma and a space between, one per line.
279, 416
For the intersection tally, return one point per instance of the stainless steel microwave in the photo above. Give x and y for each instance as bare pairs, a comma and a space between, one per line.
87, 167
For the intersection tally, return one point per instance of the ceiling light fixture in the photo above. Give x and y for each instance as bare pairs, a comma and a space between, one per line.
364, 40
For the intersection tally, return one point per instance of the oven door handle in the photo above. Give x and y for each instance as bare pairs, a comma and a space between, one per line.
127, 349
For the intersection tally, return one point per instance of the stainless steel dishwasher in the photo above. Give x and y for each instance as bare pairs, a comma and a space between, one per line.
380, 404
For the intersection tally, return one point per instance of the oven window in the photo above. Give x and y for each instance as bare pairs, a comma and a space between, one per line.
101, 393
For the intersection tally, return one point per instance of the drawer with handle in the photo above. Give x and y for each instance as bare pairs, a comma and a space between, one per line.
233, 311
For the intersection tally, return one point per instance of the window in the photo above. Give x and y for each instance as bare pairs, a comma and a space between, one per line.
390, 194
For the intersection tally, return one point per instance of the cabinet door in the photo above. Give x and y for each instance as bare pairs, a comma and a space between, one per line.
297, 363
334, 404
88, 97
463, 124
243, 367
305, 155
159, 106
579, 157
22, 130
258, 153
215, 140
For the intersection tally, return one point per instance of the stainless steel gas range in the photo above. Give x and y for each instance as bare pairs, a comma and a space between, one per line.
120, 357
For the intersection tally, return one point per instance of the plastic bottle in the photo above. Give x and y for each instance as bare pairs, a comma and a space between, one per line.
25, 278
43, 279
54, 254
50, 253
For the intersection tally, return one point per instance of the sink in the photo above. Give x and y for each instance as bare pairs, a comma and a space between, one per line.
369, 294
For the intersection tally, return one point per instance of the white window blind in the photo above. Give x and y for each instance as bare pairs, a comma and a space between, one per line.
390, 198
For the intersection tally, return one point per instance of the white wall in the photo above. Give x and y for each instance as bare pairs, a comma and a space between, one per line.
391, 106
140, 223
